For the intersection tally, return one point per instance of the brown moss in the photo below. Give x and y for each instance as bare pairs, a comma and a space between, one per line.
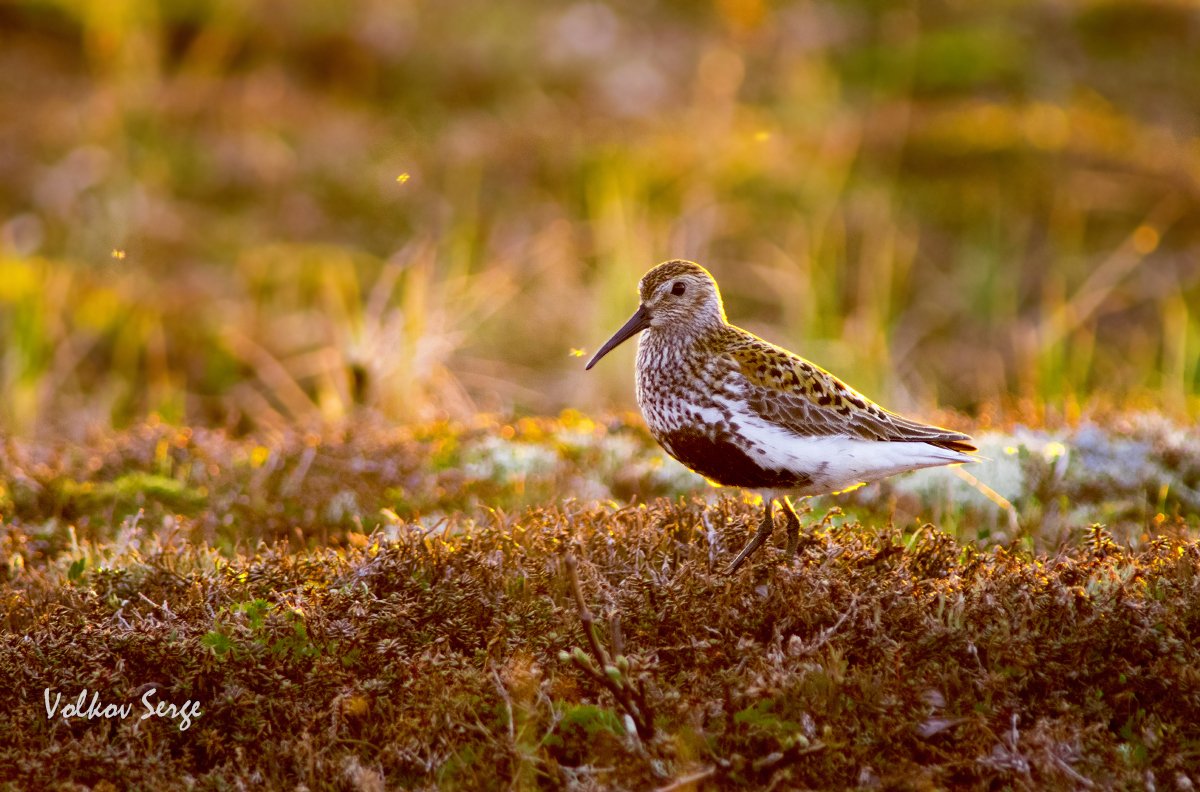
433, 659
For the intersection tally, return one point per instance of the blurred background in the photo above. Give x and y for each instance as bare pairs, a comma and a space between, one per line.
264, 214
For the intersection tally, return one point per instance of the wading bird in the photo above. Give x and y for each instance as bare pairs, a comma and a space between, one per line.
745, 413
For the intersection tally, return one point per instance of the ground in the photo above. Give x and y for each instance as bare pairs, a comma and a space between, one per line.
385, 608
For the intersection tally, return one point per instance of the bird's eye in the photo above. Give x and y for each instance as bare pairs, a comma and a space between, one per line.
678, 288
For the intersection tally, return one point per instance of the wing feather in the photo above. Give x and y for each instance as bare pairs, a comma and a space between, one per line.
808, 401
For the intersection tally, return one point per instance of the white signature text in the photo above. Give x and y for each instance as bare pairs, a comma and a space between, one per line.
82, 708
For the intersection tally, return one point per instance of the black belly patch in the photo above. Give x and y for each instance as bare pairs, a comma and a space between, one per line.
725, 463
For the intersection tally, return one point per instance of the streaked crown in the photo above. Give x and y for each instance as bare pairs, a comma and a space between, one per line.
682, 294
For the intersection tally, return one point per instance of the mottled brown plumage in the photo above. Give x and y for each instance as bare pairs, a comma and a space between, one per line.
743, 412
809, 401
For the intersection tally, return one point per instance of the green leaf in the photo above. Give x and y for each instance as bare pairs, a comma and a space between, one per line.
219, 643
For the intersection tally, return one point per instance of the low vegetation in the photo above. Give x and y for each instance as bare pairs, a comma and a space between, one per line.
417, 608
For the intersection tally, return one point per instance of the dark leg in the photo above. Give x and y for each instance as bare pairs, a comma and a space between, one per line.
764, 531
793, 527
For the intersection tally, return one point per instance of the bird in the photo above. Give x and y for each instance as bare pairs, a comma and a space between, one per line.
743, 412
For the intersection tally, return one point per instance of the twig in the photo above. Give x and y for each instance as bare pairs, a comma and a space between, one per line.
555, 716
1005, 505
713, 538
684, 782
1065, 766
828, 632
292, 485
163, 607
612, 674
508, 706
786, 756
614, 632
585, 613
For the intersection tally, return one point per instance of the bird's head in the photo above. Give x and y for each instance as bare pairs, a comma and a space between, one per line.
676, 295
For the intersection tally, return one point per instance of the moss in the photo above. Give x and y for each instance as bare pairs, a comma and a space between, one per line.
428, 653
856, 660
129, 492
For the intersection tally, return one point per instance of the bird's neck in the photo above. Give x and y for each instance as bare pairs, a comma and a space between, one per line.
674, 344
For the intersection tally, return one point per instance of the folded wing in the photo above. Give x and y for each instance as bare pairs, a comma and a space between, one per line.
807, 401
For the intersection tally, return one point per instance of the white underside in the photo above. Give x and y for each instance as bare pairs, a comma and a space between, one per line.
837, 463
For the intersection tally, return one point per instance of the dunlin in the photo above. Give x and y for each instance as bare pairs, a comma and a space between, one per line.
743, 412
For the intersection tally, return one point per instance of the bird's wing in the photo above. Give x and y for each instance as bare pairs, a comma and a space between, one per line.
806, 400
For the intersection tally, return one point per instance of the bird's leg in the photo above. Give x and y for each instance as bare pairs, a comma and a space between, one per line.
793, 526
764, 531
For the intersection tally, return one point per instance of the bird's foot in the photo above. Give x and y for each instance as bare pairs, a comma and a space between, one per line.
793, 528
795, 542
760, 536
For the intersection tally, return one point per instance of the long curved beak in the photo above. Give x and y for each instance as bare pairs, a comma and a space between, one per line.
638, 322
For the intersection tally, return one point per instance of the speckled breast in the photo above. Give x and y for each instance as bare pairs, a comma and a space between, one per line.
676, 398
